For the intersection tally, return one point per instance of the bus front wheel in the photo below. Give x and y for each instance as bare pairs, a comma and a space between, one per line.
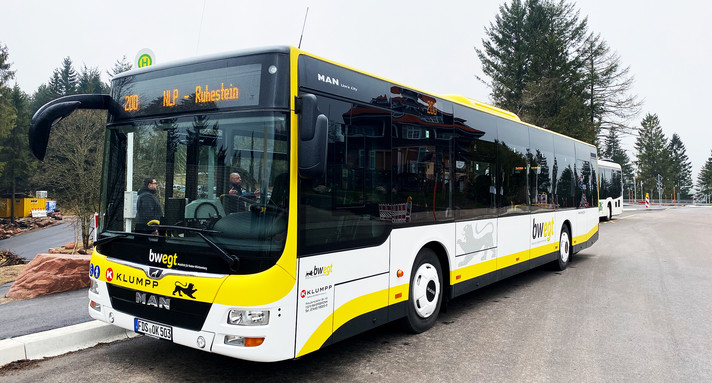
426, 291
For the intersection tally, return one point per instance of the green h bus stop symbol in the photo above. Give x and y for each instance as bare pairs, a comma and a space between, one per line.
144, 58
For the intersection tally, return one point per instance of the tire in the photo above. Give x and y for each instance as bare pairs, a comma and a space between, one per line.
565, 249
610, 212
426, 292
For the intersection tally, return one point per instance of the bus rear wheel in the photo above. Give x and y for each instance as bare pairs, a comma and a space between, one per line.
425, 296
564, 257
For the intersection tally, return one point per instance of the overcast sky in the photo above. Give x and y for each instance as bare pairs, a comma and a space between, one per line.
425, 44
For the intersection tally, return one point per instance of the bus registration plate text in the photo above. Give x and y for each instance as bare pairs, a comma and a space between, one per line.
153, 329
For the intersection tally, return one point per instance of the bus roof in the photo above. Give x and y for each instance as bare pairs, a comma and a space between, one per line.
198, 59
459, 99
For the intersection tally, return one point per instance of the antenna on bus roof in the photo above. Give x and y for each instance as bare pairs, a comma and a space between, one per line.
200, 29
303, 25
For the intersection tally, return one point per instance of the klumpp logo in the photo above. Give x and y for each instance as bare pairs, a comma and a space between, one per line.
168, 260
542, 229
319, 271
307, 293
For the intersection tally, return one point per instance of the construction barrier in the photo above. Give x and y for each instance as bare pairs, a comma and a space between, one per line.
23, 206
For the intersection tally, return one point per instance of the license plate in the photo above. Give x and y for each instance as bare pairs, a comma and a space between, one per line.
153, 329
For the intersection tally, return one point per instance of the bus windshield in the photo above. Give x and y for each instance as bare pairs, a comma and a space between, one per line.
224, 173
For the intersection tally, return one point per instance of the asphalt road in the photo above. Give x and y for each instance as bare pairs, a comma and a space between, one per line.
48, 312
43, 313
635, 307
28, 245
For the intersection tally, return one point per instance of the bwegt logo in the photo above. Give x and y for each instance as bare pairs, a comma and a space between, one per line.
543, 229
319, 271
169, 260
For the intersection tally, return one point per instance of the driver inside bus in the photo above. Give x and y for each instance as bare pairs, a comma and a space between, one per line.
237, 197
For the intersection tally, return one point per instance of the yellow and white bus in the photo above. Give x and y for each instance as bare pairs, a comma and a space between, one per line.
361, 201
610, 183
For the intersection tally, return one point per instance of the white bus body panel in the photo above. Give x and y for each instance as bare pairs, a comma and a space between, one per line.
476, 242
317, 291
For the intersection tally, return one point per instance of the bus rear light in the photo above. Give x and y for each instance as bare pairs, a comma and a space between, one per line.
248, 317
241, 341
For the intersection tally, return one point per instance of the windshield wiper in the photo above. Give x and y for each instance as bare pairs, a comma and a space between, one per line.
232, 260
120, 234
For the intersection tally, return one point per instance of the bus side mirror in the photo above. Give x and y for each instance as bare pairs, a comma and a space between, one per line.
52, 112
313, 135
42, 123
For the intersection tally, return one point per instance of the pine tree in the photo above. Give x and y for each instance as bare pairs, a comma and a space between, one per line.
64, 79
7, 111
610, 104
120, 66
545, 66
504, 57
680, 167
704, 180
653, 155
18, 164
89, 82
615, 152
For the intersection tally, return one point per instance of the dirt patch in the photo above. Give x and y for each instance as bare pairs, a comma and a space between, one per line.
10, 273
11, 265
18, 366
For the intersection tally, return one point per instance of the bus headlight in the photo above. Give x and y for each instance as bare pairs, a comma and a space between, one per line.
248, 317
94, 287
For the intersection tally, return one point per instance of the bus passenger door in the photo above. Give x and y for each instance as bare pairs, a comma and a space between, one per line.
343, 243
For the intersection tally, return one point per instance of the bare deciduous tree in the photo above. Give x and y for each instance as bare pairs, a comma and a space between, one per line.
72, 167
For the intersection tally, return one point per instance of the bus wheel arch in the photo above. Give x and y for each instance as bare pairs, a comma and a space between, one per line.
441, 253
426, 291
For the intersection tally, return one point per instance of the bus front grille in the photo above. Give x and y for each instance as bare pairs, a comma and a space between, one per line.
163, 309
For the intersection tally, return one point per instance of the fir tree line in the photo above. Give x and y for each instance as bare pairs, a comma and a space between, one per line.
71, 171
543, 63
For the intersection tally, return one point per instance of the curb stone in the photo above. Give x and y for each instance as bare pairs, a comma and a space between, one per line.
60, 341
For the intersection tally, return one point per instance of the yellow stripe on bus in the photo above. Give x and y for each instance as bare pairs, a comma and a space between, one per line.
258, 289
472, 271
512, 259
187, 287
543, 250
583, 238
346, 312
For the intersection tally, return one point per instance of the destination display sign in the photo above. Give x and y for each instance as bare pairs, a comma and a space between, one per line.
225, 87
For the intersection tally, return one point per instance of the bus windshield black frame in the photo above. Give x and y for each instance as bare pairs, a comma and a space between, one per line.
192, 145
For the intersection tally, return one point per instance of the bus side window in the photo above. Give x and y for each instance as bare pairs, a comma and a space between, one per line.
475, 168
340, 210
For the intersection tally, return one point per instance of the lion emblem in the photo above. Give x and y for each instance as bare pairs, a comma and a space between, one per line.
181, 289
